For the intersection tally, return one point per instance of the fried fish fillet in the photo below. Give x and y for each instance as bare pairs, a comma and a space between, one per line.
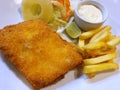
38, 52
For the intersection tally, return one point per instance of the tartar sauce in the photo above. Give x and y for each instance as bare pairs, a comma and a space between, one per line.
90, 13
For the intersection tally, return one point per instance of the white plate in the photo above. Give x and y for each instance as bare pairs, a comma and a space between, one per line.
10, 79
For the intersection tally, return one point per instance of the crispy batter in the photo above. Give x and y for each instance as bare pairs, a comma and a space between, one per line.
38, 52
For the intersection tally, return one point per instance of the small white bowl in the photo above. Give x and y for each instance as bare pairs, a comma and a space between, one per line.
86, 25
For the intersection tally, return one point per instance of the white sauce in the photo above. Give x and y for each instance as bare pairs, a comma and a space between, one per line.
90, 13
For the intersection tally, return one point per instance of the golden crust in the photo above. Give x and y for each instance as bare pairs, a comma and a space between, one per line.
38, 52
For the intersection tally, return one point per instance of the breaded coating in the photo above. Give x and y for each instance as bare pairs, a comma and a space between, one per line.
38, 52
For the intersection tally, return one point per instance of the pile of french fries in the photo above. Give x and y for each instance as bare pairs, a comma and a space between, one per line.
98, 48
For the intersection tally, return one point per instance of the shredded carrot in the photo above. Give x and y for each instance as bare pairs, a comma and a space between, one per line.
66, 4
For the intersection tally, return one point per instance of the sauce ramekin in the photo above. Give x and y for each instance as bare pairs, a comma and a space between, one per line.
86, 25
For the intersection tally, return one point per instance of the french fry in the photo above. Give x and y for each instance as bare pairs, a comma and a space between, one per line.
98, 48
95, 45
99, 59
100, 67
111, 37
115, 41
111, 61
89, 34
81, 43
99, 52
91, 75
101, 35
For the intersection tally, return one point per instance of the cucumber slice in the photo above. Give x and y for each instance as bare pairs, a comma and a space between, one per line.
32, 9
73, 30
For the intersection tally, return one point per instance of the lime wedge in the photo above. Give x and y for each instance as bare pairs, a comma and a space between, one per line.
73, 30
